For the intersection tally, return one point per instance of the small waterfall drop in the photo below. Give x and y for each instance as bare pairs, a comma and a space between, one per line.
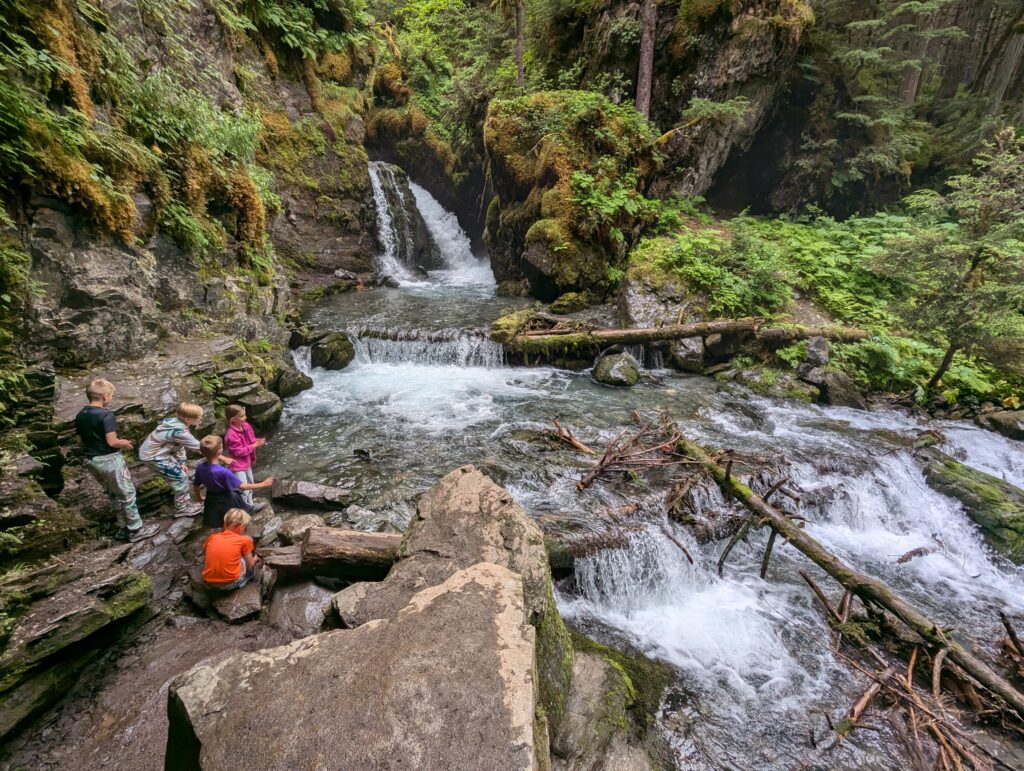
449, 348
463, 267
394, 241
302, 357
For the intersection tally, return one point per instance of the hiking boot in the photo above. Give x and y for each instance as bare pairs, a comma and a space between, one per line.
184, 506
144, 532
259, 506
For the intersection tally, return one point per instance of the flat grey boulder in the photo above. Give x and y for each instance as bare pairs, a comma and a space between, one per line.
299, 608
446, 684
309, 495
293, 529
239, 604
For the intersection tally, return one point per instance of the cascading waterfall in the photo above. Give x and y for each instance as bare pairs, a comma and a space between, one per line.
458, 348
303, 359
463, 266
394, 242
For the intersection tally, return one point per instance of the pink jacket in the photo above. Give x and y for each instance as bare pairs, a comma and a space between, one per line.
240, 446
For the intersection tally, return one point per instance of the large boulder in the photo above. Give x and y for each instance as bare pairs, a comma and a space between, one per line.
288, 381
332, 351
997, 507
446, 683
839, 390
463, 520
687, 354
1009, 423
617, 369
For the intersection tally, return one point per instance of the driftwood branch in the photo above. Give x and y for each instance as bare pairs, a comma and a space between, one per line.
867, 588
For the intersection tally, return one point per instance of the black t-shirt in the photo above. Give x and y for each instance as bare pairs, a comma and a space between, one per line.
93, 424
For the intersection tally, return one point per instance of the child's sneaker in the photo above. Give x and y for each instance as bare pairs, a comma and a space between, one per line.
184, 506
259, 506
144, 532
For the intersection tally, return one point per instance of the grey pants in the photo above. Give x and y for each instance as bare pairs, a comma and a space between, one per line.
112, 473
246, 478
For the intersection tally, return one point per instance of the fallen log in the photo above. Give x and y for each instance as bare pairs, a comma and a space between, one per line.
860, 584
349, 553
546, 341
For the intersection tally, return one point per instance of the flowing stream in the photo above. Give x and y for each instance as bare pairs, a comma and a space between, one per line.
755, 669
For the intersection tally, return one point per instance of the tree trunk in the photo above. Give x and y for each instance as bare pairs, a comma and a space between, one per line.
349, 553
649, 21
867, 588
943, 366
520, 45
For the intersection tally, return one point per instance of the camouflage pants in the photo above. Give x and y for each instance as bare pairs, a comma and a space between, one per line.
112, 473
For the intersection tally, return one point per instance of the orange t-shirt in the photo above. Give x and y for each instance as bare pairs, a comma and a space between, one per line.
224, 552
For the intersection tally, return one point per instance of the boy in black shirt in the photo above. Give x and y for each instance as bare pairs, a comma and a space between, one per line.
97, 429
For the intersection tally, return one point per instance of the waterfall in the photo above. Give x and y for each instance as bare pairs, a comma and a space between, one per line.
302, 357
463, 268
395, 240
447, 348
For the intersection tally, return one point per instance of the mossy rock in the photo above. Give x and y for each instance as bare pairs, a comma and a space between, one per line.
570, 302
333, 351
617, 369
997, 507
504, 329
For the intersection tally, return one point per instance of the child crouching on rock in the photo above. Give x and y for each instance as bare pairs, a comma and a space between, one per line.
230, 559
223, 490
164, 450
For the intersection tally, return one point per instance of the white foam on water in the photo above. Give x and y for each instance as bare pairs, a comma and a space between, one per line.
986, 451
302, 357
464, 269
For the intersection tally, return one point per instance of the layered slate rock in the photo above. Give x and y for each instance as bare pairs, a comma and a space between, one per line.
997, 507
51, 617
446, 683
310, 495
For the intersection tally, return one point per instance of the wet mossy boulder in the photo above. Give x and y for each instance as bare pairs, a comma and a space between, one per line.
571, 302
1009, 423
997, 507
617, 369
554, 157
333, 351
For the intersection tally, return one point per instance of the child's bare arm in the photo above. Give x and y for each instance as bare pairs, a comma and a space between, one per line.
257, 485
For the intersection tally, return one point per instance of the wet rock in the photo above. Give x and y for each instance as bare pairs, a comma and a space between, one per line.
288, 381
1009, 423
51, 615
617, 369
997, 507
34, 525
267, 533
262, 407
687, 354
570, 302
299, 608
406, 690
595, 717
724, 345
309, 495
839, 390
818, 350
375, 522
294, 529
238, 604
333, 351
810, 373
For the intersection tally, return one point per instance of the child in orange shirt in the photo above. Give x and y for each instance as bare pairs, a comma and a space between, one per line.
230, 560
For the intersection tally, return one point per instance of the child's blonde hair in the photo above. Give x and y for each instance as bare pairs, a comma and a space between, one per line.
99, 388
235, 517
232, 411
210, 446
189, 411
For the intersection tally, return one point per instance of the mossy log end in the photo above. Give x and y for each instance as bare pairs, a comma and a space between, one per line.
864, 586
533, 342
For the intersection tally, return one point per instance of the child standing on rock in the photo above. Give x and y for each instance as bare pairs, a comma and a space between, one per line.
164, 450
241, 444
223, 490
97, 429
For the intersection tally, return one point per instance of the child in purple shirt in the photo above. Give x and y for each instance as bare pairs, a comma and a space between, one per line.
223, 490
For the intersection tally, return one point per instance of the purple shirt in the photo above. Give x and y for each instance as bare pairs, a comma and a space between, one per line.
214, 476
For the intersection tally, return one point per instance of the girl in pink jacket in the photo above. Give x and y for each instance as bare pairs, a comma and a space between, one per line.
240, 444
